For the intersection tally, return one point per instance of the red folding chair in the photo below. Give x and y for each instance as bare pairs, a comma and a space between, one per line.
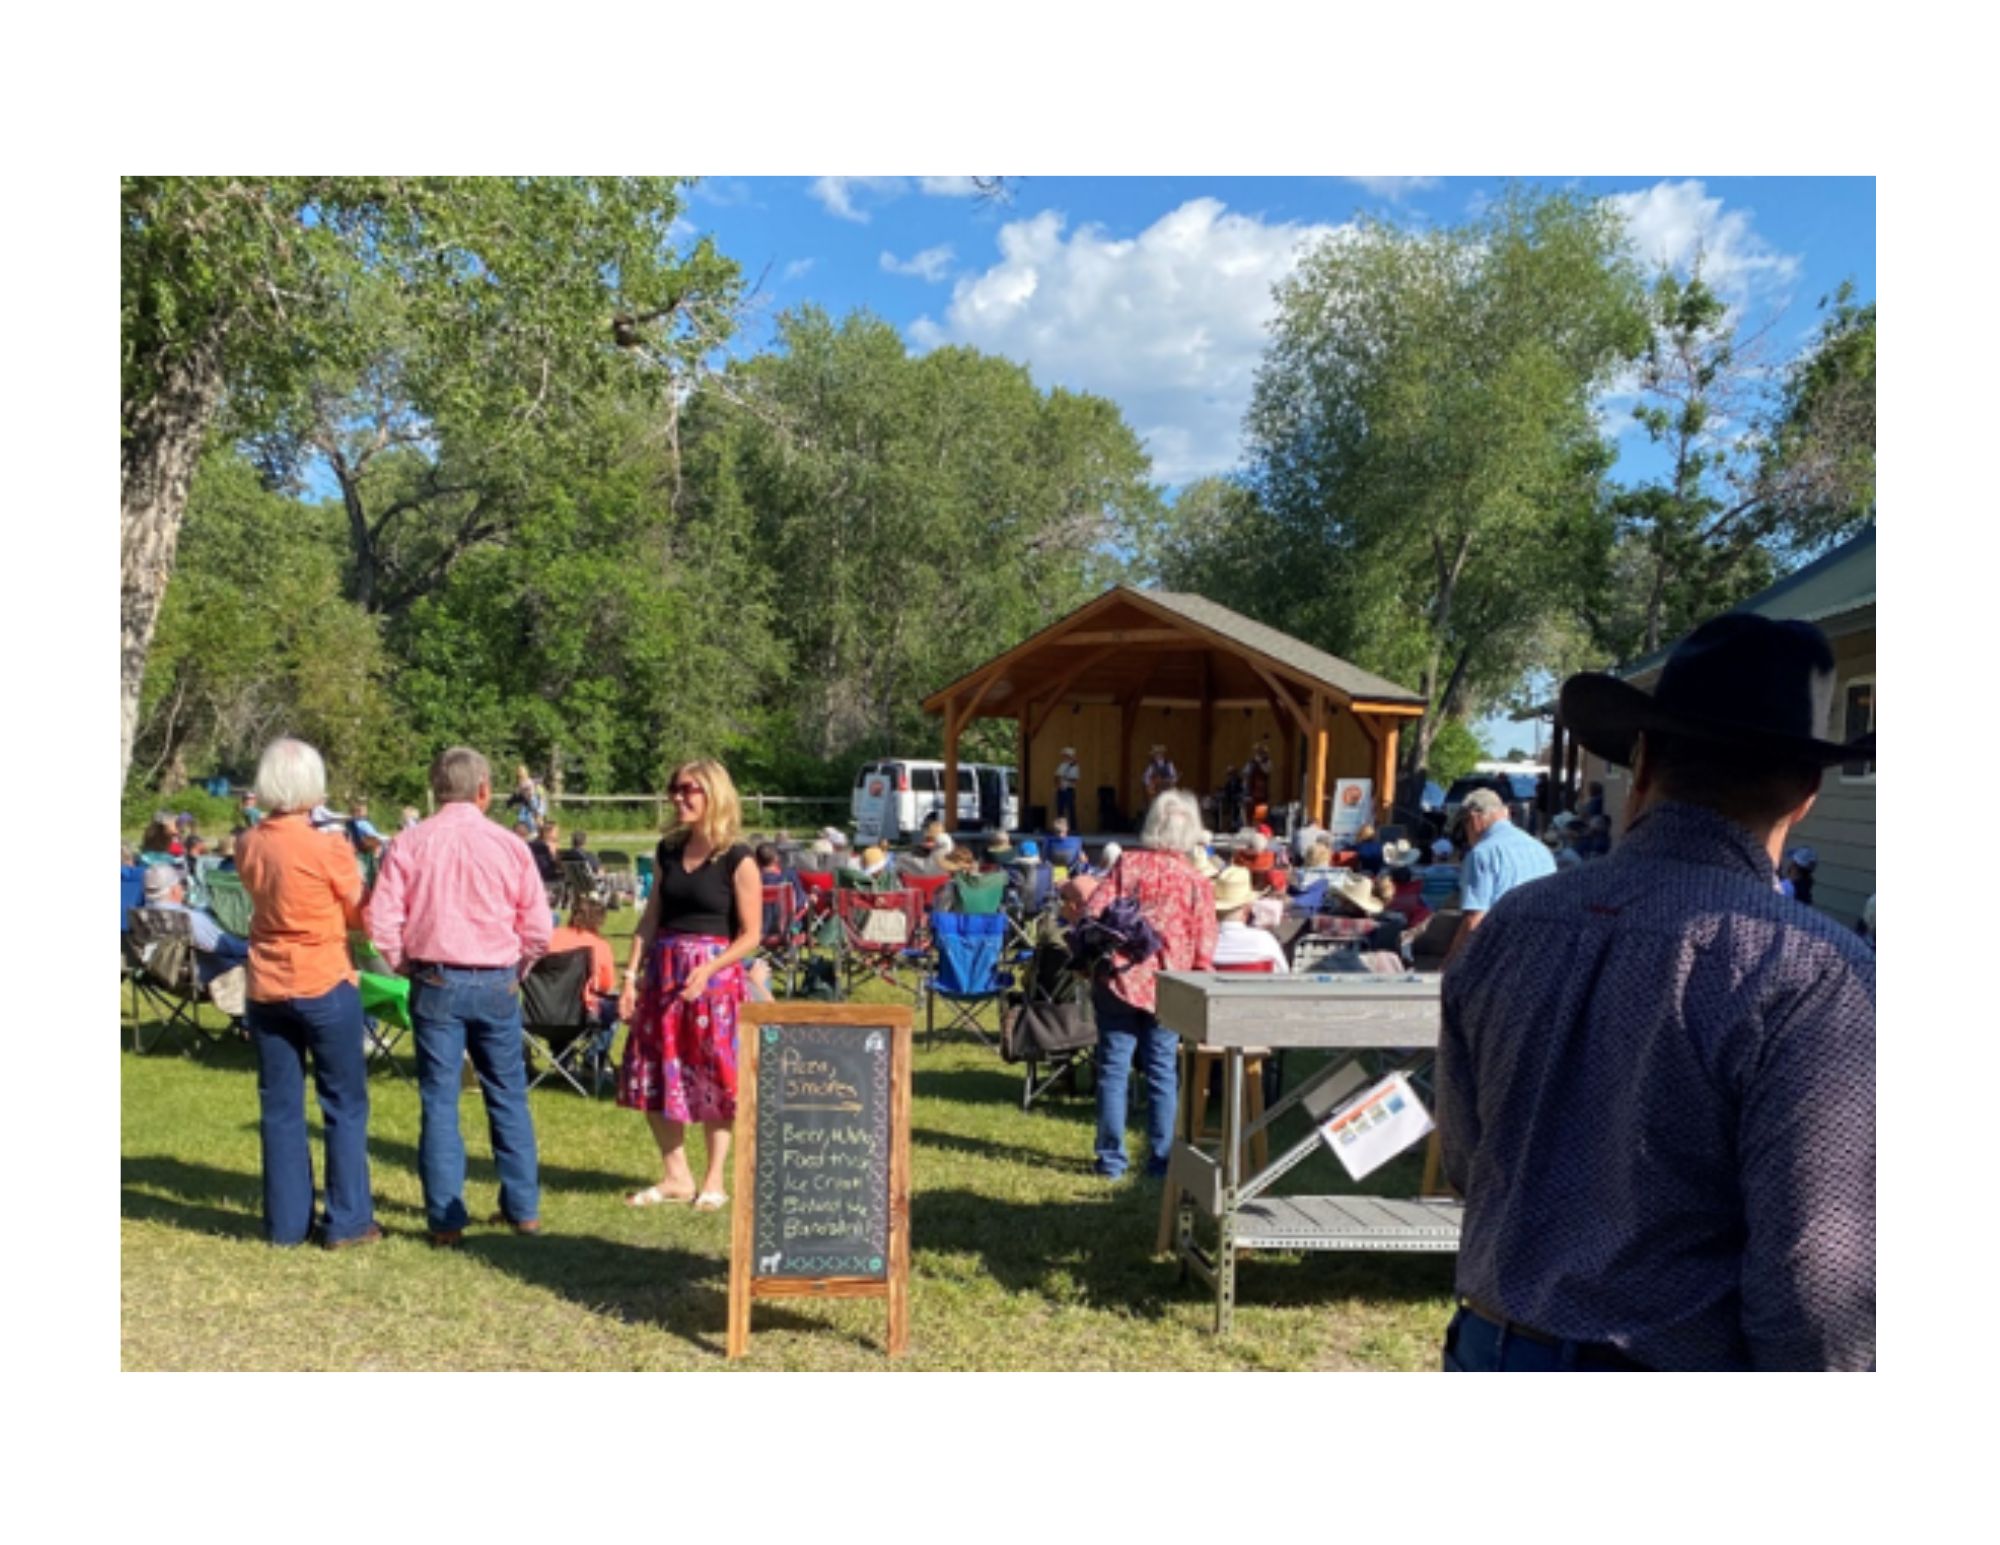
780, 946
880, 938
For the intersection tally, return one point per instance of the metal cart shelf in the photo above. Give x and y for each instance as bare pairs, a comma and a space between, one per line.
1382, 1024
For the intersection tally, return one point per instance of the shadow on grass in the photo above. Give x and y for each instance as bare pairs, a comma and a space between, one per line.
158, 1189
997, 1085
1009, 1153
666, 1289
1103, 1246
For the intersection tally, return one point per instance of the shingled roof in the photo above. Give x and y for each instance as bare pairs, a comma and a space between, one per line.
1328, 669
1206, 627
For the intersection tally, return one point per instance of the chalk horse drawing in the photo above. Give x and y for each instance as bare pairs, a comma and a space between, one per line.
769, 1263
874, 1041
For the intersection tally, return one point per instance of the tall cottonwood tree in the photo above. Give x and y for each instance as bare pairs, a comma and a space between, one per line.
1762, 466
1422, 445
915, 513
406, 330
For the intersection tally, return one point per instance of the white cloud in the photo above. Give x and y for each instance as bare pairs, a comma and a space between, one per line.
931, 264
1169, 324
1671, 223
838, 194
798, 268
949, 187
844, 196
1395, 187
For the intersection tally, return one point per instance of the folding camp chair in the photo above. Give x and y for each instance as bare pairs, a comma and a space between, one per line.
615, 871
927, 887
166, 978
1048, 1023
976, 894
583, 883
642, 865
782, 943
229, 902
878, 938
967, 975
385, 1016
557, 1021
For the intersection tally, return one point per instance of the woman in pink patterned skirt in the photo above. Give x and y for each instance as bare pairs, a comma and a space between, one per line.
701, 924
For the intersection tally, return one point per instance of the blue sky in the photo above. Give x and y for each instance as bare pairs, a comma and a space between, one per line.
1155, 291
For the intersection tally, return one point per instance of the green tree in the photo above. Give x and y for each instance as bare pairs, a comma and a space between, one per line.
423, 335
1423, 450
255, 638
1455, 751
1755, 477
915, 514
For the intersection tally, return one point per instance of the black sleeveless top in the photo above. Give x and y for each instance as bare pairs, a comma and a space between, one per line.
703, 902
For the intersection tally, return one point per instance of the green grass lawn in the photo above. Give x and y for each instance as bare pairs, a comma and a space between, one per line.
1020, 1259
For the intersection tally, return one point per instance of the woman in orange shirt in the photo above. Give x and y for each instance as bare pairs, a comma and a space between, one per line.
305, 894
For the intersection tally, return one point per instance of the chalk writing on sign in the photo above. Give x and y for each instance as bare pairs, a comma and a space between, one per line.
822, 1151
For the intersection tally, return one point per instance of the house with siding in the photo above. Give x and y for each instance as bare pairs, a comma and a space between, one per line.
1836, 593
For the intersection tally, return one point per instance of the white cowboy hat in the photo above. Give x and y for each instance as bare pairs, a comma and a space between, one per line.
1359, 890
1233, 889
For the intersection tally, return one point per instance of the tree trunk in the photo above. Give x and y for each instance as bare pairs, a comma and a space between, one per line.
162, 445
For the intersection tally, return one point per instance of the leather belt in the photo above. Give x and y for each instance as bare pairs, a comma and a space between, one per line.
1600, 1354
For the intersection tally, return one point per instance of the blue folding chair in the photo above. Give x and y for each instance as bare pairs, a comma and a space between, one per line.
967, 975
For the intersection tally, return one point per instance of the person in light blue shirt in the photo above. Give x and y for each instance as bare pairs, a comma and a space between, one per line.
215, 951
1502, 857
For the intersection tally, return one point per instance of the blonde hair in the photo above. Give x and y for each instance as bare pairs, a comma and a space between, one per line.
721, 819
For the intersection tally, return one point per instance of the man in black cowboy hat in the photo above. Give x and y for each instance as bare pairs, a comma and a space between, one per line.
1656, 1075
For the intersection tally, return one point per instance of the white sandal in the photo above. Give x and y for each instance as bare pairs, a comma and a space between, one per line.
711, 1201
656, 1196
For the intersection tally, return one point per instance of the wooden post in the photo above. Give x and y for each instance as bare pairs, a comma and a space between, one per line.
1321, 748
1385, 773
1205, 778
742, 1222
1023, 795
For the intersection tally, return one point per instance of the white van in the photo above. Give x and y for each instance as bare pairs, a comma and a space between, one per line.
894, 797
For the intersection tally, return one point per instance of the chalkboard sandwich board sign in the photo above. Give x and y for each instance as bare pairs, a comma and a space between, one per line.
822, 1160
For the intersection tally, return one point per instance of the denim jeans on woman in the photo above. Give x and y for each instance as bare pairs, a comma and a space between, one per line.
455, 1011
1123, 1033
328, 1030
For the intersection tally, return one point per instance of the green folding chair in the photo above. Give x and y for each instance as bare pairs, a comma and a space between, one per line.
229, 902
385, 1004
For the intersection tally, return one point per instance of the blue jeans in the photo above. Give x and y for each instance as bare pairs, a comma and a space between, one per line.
328, 1028
1474, 1344
229, 953
1122, 1032
457, 1011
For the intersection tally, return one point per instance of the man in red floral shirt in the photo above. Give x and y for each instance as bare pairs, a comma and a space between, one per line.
1160, 875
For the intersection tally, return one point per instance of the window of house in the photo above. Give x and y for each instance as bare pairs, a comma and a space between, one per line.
1856, 707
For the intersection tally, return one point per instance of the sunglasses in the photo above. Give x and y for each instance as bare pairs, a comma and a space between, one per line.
686, 790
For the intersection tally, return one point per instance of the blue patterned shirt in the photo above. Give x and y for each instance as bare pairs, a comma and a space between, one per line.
1656, 1089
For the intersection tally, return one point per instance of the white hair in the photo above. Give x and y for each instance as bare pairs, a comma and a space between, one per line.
1173, 823
290, 776
1111, 854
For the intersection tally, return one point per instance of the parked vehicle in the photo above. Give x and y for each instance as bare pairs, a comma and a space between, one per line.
893, 797
1517, 788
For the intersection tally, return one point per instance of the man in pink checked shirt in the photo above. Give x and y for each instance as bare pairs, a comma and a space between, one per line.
460, 910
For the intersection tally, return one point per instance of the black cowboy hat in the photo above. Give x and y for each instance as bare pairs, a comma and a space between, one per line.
1750, 682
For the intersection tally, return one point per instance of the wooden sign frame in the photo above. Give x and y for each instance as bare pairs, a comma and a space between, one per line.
744, 1284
